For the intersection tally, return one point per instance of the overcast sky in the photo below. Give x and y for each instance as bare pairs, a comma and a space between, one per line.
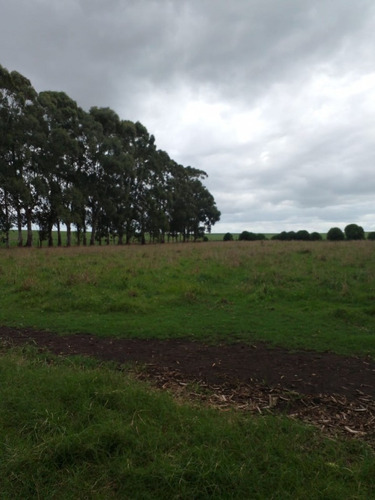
274, 99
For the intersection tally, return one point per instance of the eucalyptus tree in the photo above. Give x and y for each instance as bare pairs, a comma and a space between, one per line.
108, 167
193, 209
60, 156
144, 165
122, 222
159, 197
19, 149
62, 165
207, 213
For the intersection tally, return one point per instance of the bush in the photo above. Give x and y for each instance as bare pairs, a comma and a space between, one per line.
302, 235
315, 236
228, 237
248, 236
285, 236
335, 234
371, 236
354, 232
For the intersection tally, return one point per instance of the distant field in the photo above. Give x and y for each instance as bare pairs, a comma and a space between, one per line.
13, 238
316, 295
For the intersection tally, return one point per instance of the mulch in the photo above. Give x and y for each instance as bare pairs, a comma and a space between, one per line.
334, 392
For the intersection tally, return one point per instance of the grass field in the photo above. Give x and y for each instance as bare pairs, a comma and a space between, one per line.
316, 295
75, 428
13, 235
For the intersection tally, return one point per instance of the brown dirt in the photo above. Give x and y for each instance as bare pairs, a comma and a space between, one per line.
336, 393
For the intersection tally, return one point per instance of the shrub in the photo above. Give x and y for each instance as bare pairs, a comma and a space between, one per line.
281, 236
371, 236
315, 236
354, 232
285, 236
248, 236
228, 237
335, 234
302, 235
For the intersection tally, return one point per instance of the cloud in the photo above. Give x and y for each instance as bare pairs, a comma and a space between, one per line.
274, 100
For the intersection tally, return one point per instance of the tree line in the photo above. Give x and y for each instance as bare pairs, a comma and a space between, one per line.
351, 232
98, 176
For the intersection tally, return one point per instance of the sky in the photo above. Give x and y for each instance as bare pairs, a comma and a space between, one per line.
274, 99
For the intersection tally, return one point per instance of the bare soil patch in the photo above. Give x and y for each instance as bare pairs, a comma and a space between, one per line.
336, 393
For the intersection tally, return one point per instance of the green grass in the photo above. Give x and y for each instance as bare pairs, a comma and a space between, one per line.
316, 295
74, 429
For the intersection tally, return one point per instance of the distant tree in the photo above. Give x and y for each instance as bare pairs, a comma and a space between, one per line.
249, 236
285, 236
280, 236
371, 236
315, 236
335, 234
354, 232
302, 235
228, 237
246, 236
193, 209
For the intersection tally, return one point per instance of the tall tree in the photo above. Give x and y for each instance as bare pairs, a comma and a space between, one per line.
193, 208
19, 147
60, 157
104, 179
61, 165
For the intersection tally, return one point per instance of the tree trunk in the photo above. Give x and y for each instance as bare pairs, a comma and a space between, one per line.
59, 242
50, 238
78, 232
68, 234
92, 237
29, 240
7, 220
19, 228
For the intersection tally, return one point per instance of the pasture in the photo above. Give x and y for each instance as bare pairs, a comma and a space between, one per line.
316, 295
77, 428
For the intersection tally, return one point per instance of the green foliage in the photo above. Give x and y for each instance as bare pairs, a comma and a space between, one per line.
301, 235
314, 236
354, 232
371, 236
285, 292
228, 237
60, 165
335, 234
77, 429
249, 236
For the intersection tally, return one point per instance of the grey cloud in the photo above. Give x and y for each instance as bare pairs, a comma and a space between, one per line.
284, 121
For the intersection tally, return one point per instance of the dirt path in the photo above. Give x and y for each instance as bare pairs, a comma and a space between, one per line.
332, 391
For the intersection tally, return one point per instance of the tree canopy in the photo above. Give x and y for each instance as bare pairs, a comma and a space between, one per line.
335, 234
354, 232
90, 171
